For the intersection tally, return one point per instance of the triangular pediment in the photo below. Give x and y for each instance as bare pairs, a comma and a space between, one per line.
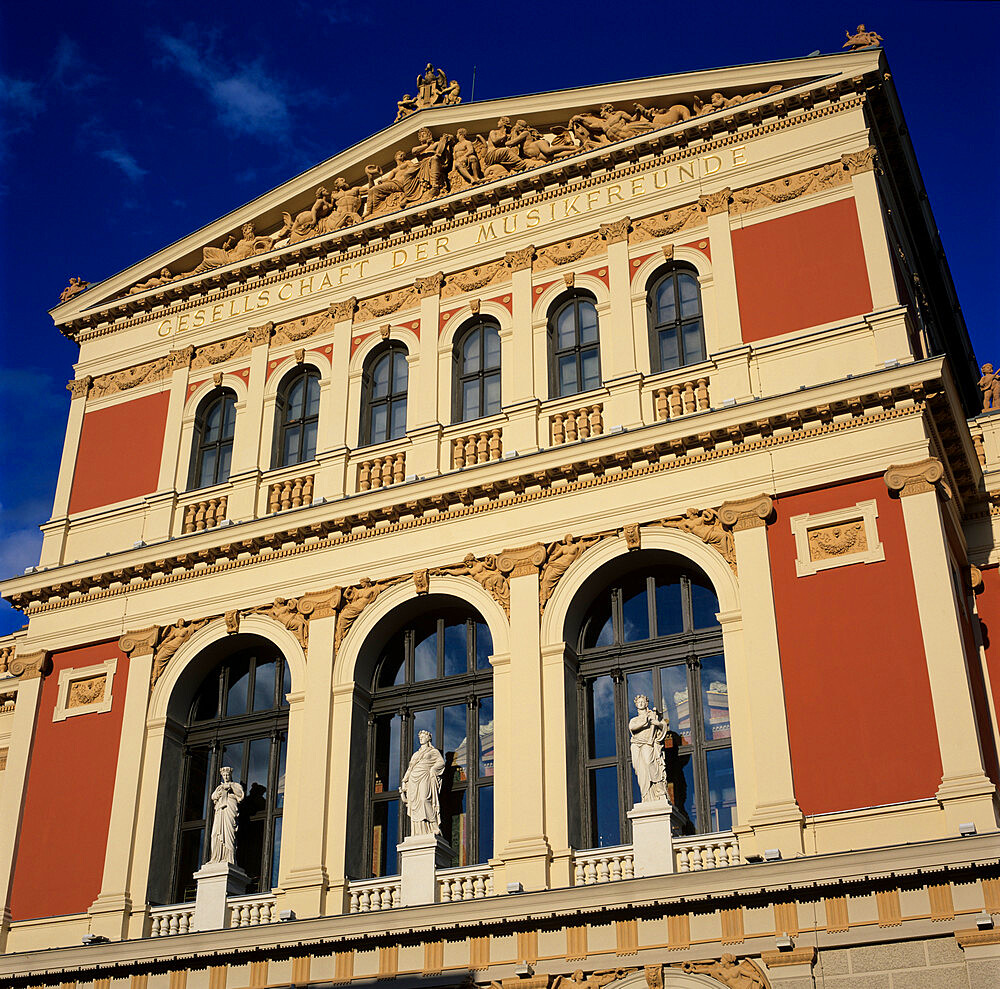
442, 159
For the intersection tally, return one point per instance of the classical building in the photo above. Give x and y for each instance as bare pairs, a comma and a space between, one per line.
565, 526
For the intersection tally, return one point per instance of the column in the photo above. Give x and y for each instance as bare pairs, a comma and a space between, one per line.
110, 912
716, 205
32, 668
965, 793
245, 473
521, 841
775, 818
303, 878
518, 359
423, 427
333, 444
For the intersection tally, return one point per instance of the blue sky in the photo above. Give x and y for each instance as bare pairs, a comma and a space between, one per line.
126, 125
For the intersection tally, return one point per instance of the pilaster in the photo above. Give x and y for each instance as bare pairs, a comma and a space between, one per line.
246, 466
332, 444
861, 165
617, 342
965, 793
54, 534
518, 359
716, 206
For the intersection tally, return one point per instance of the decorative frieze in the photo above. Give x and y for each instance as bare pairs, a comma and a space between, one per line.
519, 260
475, 279
860, 161
715, 202
790, 187
569, 251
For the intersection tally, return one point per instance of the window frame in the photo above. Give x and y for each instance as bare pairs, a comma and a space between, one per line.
655, 330
572, 299
282, 424
480, 325
218, 395
392, 399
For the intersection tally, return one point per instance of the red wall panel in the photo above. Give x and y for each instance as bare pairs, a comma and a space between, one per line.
800, 270
988, 609
67, 807
119, 454
857, 694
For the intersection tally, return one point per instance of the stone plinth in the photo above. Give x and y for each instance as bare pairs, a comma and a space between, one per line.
420, 856
216, 881
652, 838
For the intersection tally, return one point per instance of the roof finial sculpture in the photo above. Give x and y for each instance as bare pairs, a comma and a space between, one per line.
433, 89
862, 39
75, 287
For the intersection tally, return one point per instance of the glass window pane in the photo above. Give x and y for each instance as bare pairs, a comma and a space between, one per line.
669, 356
688, 285
239, 681
484, 646
286, 685
567, 375
380, 377
290, 446
666, 301
256, 786
599, 630
206, 704
380, 424
310, 430
492, 385
602, 717
635, 610
470, 352
192, 857
386, 769
312, 395
704, 606
206, 467
676, 704
456, 648
715, 698
470, 399
454, 823
485, 823
385, 837
721, 790
591, 362
400, 370
196, 796
275, 852
566, 329
232, 756
424, 721
605, 823
485, 737
279, 795
680, 785
398, 419
491, 348
694, 350
229, 417
263, 686
669, 613
588, 323
425, 650
225, 458
296, 400
454, 746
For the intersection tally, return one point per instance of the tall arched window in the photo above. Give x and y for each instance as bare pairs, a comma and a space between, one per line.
673, 311
653, 631
297, 417
383, 401
477, 371
574, 345
434, 674
214, 428
238, 718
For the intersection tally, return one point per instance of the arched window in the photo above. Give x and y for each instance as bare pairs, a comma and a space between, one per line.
383, 400
676, 326
477, 371
297, 418
574, 345
214, 427
238, 718
434, 674
653, 631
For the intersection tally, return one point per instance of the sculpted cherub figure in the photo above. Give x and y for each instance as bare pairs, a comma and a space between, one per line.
75, 287
405, 107
989, 385
155, 282
862, 38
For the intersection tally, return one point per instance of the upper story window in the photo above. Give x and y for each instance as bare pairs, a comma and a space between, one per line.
239, 719
433, 675
214, 428
674, 314
383, 391
477, 371
297, 417
654, 632
574, 345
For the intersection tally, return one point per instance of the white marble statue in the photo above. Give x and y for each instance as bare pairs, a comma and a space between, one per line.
226, 799
648, 731
421, 787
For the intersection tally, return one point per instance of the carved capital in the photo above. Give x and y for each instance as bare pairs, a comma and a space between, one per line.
523, 560
519, 260
917, 478
797, 956
181, 358
31, 665
747, 513
616, 232
860, 161
716, 202
80, 387
431, 285
141, 642
343, 310
260, 334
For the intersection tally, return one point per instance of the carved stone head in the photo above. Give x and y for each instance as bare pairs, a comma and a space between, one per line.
424, 735
641, 702
227, 774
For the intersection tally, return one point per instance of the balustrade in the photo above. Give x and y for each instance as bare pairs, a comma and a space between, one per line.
714, 851
7, 703
290, 493
603, 865
367, 895
681, 399
476, 448
577, 424
175, 919
206, 514
474, 883
379, 472
252, 911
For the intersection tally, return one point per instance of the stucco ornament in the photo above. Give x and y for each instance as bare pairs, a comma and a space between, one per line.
172, 637
420, 788
226, 800
862, 38
75, 287
433, 89
989, 385
730, 972
596, 980
647, 731
354, 600
706, 524
559, 558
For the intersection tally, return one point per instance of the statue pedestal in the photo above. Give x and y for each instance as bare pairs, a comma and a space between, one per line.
420, 856
216, 881
652, 838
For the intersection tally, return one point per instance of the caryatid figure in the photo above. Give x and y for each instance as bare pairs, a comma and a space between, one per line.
420, 788
226, 799
648, 731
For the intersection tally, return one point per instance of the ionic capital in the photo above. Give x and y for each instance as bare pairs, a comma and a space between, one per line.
343, 310
716, 202
141, 642
519, 260
918, 478
260, 334
31, 665
431, 285
616, 232
860, 161
747, 513
79, 387
522, 561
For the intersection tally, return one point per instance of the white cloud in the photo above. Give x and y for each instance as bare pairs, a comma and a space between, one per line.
125, 161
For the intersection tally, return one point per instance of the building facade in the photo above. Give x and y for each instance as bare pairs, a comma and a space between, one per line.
459, 444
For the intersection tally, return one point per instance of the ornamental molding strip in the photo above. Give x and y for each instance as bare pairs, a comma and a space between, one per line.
918, 478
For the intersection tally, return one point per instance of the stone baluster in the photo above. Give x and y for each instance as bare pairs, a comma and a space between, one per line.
703, 401
676, 405
559, 428
689, 399
596, 420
